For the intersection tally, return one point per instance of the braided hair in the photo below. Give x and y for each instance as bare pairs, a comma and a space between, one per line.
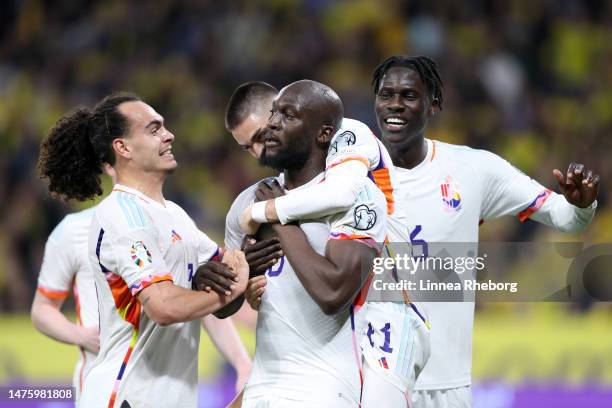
424, 66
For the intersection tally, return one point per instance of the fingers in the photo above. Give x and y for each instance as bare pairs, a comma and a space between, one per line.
263, 255
217, 287
223, 270
260, 266
560, 179
255, 289
258, 246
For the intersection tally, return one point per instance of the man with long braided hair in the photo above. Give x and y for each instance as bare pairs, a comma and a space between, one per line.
445, 192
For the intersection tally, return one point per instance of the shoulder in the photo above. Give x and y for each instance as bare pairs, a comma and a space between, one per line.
72, 224
246, 197
353, 132
121, 212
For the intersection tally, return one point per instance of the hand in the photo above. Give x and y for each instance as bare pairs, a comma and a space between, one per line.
247, 224
237, 262
580, 187
261, 255
242, 375
269, 191
255, 289
89, 339
216, 276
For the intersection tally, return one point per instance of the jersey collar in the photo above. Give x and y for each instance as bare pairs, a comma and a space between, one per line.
140, 195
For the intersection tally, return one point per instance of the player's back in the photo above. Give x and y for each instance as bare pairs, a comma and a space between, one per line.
66, 267
303, 354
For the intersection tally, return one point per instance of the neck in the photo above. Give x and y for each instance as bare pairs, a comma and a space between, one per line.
298, 177
408, 156
147, 183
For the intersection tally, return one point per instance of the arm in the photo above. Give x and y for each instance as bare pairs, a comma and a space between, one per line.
337, 193
224, 335
259, 256
166, 303
332, 280
507, 191
49, 320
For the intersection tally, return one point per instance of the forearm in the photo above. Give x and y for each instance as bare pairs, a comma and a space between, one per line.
557, 213
166, 303
320, 277
224, 335
51, 322
337, 193
230, 309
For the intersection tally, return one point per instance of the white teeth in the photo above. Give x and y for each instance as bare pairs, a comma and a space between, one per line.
395, 121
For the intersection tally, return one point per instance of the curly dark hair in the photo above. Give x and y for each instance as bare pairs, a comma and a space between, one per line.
74, 150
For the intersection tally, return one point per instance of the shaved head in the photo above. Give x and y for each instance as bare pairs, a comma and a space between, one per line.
319, 99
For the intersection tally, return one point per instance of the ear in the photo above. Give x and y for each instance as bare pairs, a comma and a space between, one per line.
326, 133
122, 149
434, 107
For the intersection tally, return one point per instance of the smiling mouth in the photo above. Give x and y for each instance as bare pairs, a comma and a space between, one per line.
395, 124
167, 152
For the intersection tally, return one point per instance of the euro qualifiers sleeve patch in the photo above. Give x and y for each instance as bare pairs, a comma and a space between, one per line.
140, 254
365, 218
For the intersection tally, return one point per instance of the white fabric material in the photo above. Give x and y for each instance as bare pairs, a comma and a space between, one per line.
450, 398
299, 348
395, 344
258, 212
66, 267
379, 393
444, 198
336, 193
133, 242
354, 153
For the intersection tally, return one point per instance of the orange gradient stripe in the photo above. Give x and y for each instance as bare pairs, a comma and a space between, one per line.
383, 181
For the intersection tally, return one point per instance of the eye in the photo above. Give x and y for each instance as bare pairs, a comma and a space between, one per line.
384, 94
289, 115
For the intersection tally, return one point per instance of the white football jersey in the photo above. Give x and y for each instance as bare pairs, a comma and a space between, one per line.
355, 141
66, 267
134, 242
445, 198
302, 353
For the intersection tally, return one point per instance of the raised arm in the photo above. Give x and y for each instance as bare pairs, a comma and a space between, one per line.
507, 191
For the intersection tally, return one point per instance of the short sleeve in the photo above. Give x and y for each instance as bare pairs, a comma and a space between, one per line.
233, 233
354, 141
207, 249
506, 190
57, 271
365, 221
137, 259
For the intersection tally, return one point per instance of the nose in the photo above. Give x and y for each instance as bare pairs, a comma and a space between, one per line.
168, 136
396, 103
274, 122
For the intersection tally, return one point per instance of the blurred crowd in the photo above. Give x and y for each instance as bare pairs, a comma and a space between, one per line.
529, 80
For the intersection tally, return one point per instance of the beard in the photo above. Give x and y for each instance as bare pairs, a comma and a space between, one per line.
292, 157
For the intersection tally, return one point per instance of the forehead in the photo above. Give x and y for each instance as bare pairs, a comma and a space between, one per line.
139, 113
290, 96
400, 76
251, 125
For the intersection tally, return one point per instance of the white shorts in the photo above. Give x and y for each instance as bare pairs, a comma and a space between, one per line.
280, 402
450, 398
395, 342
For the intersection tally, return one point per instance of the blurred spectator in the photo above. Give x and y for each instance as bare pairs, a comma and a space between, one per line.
529, 80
